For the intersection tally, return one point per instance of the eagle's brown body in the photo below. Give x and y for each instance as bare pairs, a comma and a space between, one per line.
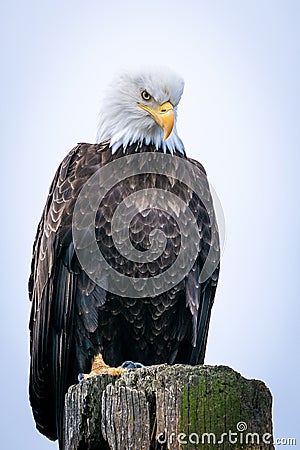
73, 319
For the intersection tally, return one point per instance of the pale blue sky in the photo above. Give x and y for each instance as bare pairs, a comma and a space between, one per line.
239, 116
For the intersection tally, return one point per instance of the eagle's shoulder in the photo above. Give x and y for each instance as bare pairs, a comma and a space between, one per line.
197, 164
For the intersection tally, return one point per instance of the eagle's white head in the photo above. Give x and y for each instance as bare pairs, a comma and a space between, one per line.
141, 107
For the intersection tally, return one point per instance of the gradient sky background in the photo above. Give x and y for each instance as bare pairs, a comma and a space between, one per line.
239, 116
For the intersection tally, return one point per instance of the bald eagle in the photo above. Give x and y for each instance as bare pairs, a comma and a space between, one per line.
74, 316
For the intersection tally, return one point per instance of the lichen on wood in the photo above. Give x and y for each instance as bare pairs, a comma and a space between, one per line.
169, 408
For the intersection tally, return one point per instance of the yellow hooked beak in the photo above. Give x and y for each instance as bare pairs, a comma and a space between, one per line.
163, 116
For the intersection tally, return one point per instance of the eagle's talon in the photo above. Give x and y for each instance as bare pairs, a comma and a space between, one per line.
99, 367
131, 365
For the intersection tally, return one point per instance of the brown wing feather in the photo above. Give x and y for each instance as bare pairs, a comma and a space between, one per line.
58, 288
200, 296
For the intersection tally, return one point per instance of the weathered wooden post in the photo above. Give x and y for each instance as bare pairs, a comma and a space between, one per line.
169, 408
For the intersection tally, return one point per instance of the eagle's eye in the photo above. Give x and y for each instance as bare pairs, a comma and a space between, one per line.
145, 95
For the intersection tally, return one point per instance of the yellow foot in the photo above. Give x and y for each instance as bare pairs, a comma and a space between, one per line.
99, 367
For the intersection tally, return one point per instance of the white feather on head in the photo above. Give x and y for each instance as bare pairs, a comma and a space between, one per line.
123, 122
